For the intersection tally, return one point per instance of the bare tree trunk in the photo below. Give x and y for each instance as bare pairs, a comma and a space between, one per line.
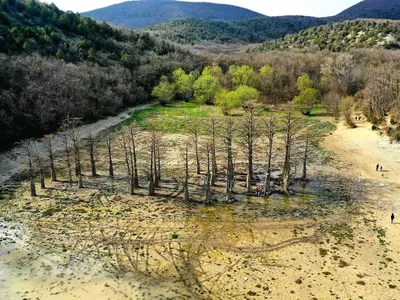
186, 180
110, 161
213, 129
70, 128
156, 181
249, 178
92, 156
286, 176
65, 137
196, 148
41, 172
132, 179
248, 139
125, 147
158, 161
305, 160
80, 181
230, 170
208, 178
51, 158
135, 169
32, 186
78, 163
214, 156
31, 171
271, 131
194, 131
151, 190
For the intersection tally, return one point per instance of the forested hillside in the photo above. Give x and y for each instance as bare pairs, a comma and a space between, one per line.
140, 14
376, 9
256, 30
57, 63
341, 36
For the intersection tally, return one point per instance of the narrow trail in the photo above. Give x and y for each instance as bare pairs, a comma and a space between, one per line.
12, 161
361, 149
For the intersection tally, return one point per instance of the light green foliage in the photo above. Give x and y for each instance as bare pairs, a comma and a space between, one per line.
184, 83
304, 82
164, 91
308, 95
226, 100
240, 97
206, 87
217, 71
306, 100
266, 76
243, 75
245, 93
346, 105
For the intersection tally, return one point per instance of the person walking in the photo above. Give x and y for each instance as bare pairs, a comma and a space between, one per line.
392, 217
381, 168
377, 167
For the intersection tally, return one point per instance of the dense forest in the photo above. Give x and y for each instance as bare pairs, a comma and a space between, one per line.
341, 36
57, 63
256, 30
376, 9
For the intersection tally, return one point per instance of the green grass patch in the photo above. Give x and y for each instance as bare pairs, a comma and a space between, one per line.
381, 236
318, 110
175, 117
341, 232
172, 118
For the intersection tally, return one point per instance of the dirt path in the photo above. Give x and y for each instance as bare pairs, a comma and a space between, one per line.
361, 149
12, 161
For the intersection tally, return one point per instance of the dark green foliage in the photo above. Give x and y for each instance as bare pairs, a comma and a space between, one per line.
140, 14
376, 9
341, 36
194, 31
56, 64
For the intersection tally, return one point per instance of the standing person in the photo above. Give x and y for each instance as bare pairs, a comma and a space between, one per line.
392, 217
381, 168
377, 167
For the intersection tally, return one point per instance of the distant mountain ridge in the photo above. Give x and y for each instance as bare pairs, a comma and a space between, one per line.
145, 13
197, 22
371, 9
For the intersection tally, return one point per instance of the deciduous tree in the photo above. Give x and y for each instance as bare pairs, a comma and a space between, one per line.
164, 91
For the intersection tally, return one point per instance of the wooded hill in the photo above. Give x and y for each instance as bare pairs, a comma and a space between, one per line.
371, 9
341, 36
257, 30
57, 63
140, 14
